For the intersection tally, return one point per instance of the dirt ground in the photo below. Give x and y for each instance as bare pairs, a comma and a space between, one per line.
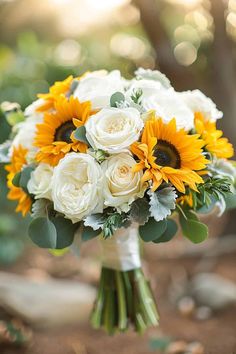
217, 334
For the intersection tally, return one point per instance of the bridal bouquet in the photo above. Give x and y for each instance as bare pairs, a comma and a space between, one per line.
99, 155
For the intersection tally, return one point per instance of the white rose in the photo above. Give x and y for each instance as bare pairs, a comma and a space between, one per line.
114, 129
98, 88
155, 75
31, 110
148, 87
40, 183
25, 136
77, 184
198, 102
121, 185
167, 105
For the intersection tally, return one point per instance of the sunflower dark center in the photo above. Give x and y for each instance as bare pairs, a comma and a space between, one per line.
63, 133
166, 154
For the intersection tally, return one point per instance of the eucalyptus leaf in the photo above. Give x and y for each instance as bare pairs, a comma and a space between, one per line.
116, 98
41, 207
169, 233
139, 211
80, 135
193, 229
65, 232
152, 230
43, 233
25, 177
88, 233
16, 179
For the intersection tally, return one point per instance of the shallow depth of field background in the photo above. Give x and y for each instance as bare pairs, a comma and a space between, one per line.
194, 43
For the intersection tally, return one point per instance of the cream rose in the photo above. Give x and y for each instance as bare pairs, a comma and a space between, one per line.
40, 183
198, 102
77, 185
114, 129
98, 88
121, 185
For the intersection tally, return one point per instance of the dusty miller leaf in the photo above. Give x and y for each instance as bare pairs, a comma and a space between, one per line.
95, 221
162, 202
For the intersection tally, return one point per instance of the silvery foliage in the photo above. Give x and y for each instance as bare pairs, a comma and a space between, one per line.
223, 168
162, 202
95, 221
155, 75
4, 152
40, 208
133, 101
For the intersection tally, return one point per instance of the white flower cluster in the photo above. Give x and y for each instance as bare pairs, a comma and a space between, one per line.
81, 185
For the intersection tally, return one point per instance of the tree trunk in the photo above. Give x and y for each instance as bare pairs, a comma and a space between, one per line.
223, 74
181, 77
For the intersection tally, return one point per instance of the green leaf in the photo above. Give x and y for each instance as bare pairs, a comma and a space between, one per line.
100, 155
113, 223
16, 179
65, 232
59, 253
117, 97
80, 135
54, 233
160, 344
152, 230
25, 177
14, 118
193, 229
169, 233
139, 211
43, 233
88, 233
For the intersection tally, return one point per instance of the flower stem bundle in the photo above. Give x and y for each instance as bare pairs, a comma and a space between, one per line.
124, 299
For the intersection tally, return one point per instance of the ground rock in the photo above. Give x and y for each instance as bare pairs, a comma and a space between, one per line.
47, 303
212, 290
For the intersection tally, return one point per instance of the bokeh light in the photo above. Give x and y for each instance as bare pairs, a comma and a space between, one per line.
185, 53
186, 3
128, 46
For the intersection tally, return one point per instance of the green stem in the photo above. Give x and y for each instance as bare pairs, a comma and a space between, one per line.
128, 293
122, 311
110, 303
147, 303
96, 316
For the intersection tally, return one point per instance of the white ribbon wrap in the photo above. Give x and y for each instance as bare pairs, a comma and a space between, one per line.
121, 251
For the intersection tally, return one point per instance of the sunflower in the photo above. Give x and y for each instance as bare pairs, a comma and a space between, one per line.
54, 137
186, 199
170, 155
18, 160
59, 88
213, 141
